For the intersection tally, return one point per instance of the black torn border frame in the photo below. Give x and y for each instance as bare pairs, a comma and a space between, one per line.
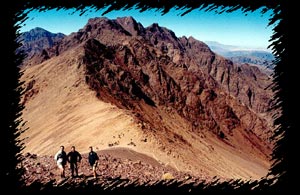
13, 13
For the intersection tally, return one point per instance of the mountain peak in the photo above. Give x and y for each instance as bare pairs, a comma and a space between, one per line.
97, 20
192, 39
153, 92
154, 28
40, 31
131, 25
38, 39
126, 19
37, 29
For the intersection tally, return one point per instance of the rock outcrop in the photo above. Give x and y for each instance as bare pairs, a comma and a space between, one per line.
179, 93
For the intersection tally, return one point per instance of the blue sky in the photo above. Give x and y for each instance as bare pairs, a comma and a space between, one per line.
251, 31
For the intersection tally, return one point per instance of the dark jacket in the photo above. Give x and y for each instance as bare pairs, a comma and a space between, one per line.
74, 157
93, 156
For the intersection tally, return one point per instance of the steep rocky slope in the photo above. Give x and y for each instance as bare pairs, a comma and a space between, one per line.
116, 83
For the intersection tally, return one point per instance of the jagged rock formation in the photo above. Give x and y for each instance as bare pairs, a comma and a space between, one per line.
178, 92
161, 69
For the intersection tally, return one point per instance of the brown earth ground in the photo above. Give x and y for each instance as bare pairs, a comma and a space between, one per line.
117, 162
62, 110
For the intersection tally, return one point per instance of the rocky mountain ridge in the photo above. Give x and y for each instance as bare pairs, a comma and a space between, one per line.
176, 90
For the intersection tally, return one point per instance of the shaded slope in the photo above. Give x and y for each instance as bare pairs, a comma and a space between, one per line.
168, 100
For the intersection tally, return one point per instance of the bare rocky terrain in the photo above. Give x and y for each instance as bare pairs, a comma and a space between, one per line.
115, 83
119, 163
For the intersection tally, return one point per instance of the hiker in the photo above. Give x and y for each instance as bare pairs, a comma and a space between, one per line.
93, 160
74, 157
61, 160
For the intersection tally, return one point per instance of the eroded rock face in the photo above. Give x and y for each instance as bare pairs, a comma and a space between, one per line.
150, 72
155, 66
247, 83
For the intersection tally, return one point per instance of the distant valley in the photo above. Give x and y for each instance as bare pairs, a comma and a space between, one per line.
243, 55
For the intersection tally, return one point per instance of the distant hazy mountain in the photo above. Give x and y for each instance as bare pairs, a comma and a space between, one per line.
38, 39
242, 55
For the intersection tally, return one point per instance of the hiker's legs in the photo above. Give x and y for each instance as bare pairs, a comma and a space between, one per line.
94, 170
62, 171
72, 166
76, 169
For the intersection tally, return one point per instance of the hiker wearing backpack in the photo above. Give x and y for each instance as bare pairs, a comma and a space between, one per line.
61, 160
93, 161
74, 157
